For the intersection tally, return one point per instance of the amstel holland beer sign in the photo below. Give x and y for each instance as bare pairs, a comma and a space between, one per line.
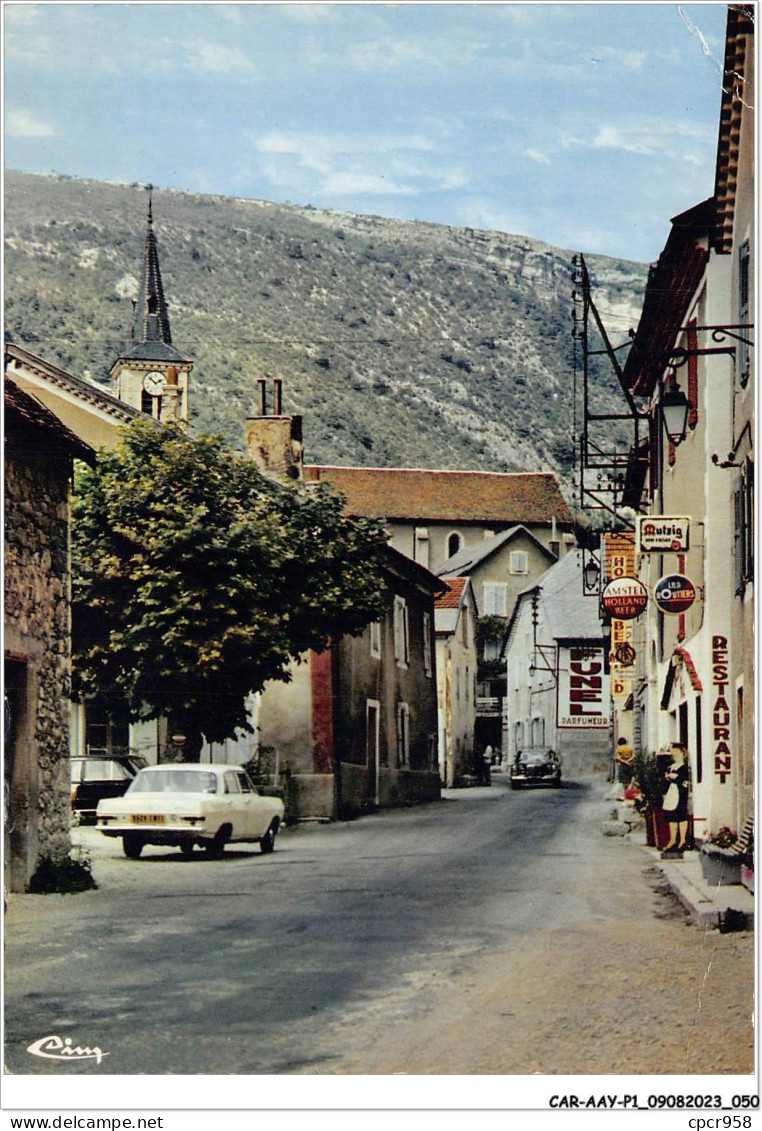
625, 598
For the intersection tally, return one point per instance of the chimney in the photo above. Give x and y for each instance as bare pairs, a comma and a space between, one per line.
262, 382
278, 396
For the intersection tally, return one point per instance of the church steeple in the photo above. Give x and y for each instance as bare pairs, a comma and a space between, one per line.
151, 322
152, 375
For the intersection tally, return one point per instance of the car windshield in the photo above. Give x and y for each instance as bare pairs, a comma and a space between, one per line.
534, 757
98, 769
174, 781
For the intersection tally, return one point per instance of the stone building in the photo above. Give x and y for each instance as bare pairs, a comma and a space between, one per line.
40, 451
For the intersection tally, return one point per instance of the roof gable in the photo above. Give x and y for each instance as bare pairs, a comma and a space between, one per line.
467, 560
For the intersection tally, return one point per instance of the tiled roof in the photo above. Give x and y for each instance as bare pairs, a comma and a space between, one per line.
465, 560
737, 95
452, 598
567, 613
24, 407
672, 283
453, 496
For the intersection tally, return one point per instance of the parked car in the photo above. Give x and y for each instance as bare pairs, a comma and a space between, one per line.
97, 777
536, 765
187, 804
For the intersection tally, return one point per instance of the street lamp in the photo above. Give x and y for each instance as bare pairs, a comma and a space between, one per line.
674, 410
591, 572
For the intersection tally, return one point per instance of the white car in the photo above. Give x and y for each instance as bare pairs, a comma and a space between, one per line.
185, 804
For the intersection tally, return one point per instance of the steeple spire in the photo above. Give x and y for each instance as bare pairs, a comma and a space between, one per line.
151, 323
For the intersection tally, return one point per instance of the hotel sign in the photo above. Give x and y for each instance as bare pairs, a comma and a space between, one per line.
658, 533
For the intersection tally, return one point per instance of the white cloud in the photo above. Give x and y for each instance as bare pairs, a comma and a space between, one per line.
318, 150
22, 123
536, 155
307, 13
348, 184
19, 15
621, 57
215, 59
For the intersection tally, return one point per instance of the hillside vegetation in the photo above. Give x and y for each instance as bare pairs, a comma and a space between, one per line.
402, 343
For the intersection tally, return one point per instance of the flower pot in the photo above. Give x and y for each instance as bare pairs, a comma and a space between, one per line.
657, 829
720, 865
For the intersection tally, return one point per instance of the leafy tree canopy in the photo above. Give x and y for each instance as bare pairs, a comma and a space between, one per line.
196, 579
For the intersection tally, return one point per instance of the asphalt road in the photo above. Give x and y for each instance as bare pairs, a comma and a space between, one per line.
291, 963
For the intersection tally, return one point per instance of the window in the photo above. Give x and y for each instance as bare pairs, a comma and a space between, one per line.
232, 784
743, 538
427, 644
401, 633
244, 782
743, 355
421, 545
492, 648
518, 562
403, 734
495, 599
454, 543
375, 639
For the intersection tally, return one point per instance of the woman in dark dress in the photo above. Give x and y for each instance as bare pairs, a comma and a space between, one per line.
675, 804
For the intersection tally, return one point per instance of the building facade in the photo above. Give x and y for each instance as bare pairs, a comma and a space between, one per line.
37, 633
455, 629
693, 680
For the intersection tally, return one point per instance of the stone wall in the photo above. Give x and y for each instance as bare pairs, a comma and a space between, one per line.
37, 652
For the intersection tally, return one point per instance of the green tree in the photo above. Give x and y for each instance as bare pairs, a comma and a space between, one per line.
196, 579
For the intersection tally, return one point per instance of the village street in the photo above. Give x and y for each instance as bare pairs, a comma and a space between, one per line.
492, 932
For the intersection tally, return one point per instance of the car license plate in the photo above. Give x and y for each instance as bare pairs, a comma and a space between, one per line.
147, 818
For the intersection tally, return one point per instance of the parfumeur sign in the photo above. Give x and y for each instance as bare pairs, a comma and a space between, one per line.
583, 690
660, 533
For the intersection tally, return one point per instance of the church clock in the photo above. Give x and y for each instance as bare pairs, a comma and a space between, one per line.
154, 383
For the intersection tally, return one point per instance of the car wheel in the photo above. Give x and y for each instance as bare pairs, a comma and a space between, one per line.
515, 785
267, 843
132, 846
186, 848
216, 846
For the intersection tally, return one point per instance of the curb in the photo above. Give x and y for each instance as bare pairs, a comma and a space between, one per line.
726, 906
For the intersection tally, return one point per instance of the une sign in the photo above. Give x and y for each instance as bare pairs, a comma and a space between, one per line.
658, 532
674, 593
625, 598
583, 690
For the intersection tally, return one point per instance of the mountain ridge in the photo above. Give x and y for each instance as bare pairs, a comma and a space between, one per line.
401, 342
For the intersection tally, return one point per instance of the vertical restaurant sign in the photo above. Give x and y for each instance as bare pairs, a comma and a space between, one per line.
723, 762
619, 556
583, 690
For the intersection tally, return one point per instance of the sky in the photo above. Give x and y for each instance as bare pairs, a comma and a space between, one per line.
584, 125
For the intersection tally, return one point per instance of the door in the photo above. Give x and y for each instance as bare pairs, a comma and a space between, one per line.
372, 759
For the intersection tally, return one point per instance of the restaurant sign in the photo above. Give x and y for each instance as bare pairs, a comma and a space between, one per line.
625, 598
658, 533
674, 593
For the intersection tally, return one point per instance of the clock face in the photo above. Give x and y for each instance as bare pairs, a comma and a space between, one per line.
154, 383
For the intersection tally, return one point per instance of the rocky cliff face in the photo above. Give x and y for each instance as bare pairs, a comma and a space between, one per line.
402, 343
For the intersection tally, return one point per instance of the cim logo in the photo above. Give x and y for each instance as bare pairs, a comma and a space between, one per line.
57, 1048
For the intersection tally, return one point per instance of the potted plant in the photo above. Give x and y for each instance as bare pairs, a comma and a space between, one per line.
647, 776
721, 860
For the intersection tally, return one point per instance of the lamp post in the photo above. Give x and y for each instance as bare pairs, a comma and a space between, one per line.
674, 406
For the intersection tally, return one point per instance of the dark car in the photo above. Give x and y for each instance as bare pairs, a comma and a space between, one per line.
95, 777
537, 765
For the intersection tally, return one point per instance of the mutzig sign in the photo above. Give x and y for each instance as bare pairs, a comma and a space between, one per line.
662, 533
583, 690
